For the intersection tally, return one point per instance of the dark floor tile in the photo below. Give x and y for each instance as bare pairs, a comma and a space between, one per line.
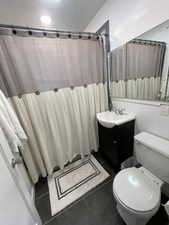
43, 206
97, 201
117, 220
92, 220
106, 165
102, 203
77, 214
97, 207
57, 220
41, 187
160, 218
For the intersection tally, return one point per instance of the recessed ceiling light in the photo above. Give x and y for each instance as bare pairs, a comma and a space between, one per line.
46, 19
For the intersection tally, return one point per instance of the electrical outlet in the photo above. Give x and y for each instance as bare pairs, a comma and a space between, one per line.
164, 110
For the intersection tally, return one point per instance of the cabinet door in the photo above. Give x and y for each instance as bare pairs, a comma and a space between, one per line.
108, 145
126, 140
107, 136
112, 155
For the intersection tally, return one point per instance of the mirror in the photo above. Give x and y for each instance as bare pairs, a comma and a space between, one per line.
140, 68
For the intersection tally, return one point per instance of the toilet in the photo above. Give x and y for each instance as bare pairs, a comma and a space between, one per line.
138, 190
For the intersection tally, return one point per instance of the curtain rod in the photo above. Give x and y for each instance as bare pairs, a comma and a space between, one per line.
142, 41
46, 29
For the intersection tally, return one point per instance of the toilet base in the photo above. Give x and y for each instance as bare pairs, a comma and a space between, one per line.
131, 218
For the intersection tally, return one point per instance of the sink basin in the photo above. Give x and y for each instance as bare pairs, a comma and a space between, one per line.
110, 119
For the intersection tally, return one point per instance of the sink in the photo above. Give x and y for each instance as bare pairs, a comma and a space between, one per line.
110, 119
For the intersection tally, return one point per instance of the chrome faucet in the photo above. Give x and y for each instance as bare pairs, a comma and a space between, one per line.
121, 111
117, 110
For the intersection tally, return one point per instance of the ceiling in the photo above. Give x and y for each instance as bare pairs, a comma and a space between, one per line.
71, 15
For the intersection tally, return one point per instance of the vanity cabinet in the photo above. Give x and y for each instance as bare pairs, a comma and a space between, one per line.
116, 143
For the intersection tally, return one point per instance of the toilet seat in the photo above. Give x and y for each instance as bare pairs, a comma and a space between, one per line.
136, 191
133, 211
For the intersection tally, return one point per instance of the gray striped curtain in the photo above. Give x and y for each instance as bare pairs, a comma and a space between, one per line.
118, 63
144, 60
137, 60
36, 62
137, 70
61, 123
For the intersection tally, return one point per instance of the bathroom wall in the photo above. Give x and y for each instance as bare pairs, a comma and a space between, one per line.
149, 116
129, 19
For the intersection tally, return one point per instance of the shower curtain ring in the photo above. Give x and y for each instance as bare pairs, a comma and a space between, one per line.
14, 32
19, 95
55, 89
37, 92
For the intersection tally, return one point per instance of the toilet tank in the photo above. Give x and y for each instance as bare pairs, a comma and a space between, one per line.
152, 152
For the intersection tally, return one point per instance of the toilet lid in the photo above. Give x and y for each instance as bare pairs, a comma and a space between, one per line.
136, 190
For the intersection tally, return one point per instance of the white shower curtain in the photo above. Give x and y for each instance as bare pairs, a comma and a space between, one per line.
59, 125
147, 88
137, 69
144, 89
66, 73
118, 89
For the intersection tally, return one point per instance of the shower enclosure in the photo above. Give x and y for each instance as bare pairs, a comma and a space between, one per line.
56, 82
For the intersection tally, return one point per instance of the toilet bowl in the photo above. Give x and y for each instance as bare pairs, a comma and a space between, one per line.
138, 190
137, 193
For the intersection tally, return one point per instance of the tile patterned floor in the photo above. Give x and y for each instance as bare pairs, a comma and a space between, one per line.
97, 207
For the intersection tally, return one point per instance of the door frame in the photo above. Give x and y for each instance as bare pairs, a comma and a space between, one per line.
32, 210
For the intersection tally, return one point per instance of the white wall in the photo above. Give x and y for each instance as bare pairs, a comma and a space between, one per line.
148, 116
130, 18
71, 15
149, 119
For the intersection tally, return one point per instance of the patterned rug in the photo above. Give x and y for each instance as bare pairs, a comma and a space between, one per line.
75, 180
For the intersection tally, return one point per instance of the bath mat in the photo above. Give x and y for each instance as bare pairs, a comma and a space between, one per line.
75, 180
